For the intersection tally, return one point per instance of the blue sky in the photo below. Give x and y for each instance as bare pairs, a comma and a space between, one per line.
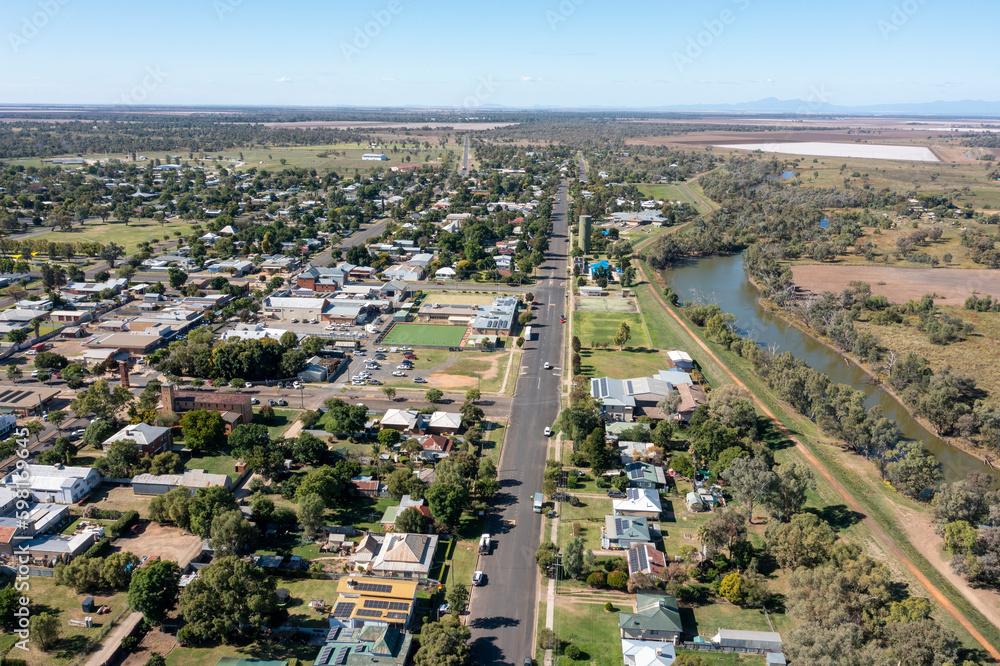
517, 53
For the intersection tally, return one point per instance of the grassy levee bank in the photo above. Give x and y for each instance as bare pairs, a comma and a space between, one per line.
862, 486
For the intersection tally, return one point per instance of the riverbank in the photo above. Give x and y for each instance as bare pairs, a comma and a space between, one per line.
963, 445
850, 477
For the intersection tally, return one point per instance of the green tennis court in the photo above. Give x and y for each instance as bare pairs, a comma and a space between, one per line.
430, 335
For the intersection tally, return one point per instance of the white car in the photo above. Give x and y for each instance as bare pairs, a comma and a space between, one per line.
548, 431
547, 366
249, 385
34, 373
398, 373
254, 401
478, 578
381, 350
295, 321
331, 327
31, 352
404, 366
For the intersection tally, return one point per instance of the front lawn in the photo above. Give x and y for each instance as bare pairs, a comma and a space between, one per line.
634, 362
213, 463
589, 516
301, 592
590, 629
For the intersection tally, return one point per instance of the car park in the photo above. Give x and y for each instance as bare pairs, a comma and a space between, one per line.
419, 380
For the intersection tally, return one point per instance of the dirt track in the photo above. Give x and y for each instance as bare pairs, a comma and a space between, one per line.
952, 285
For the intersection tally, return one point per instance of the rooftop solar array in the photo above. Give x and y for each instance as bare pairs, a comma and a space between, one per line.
373, 587
396, 616
324, 654
343, 609
399, 605
342, 655
376, 603
367, 612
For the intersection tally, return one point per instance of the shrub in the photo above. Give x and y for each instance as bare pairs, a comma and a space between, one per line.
603, 482
695, 594
547, 639
573, 652
101, 514
596, 580
572, 481
98, 549
608, 606
618, 580
130, 643
119, 527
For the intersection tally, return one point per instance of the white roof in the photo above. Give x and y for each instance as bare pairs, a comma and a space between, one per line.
648, 653
638, 499
741, 635
677, 355
141, 433
446, 420
50, 477
294, 302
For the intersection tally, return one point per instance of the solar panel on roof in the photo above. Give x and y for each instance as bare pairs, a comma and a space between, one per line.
367, 612
342, 655
343, 609
396, 616
632, 562
643, 563
324, 654
373, 587
399, 605
376, 603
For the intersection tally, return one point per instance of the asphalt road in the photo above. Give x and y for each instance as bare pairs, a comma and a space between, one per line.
463, 170
502, 612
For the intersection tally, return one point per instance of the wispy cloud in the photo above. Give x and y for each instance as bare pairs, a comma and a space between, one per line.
283, 79
532, 79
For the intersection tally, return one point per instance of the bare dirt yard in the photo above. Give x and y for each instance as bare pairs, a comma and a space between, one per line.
951, 286
169, 543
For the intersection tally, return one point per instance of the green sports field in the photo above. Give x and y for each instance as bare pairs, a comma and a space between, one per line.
432, 335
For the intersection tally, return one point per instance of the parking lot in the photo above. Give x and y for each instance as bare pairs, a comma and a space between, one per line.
388, 364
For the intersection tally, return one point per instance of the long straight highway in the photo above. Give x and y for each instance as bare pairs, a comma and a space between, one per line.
502, 612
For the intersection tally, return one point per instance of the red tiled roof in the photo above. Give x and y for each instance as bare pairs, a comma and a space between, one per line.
7, 534
436, 443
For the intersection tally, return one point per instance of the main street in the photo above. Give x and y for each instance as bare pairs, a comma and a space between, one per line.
502, 612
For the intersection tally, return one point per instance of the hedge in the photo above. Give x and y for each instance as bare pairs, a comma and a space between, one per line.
98, 549
128, 519
104, 514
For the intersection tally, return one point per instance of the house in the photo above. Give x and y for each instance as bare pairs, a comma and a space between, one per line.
645, 475
254, 332
290, 307
364, 646
648, 653
692, 397
192, 479
365, 601
621, 532
443, 423
54, 484
234, 267
150, 439
69, 316
627, 399
368, 486
405, 556
615, 429
90, 288
405, 502
638, 451
639, 502
598, 266
408, 272
403, 420
769, 641
644, 558
435, 446
657, 618
322, 279
446, 272
235, 408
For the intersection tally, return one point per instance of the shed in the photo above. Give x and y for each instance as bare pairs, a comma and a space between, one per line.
768, 641
88, 605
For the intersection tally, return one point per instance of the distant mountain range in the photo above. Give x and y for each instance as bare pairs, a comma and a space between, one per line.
967, 107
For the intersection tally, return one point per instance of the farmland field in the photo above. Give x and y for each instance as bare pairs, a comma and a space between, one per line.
664, 192
130, 235
434, 335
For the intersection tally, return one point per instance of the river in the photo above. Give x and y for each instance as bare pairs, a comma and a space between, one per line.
721, 280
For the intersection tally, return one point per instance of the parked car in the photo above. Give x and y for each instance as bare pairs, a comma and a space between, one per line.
410, 357
478, 578
398, 373
380, 357
548, 431
282, 402
254, 401
374, 382
547, 366
249, 385
271, 402
381, 350
562, 320
404, 366
419, 380
295, 321
34, 373
79, 432
615, 493
30, 352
